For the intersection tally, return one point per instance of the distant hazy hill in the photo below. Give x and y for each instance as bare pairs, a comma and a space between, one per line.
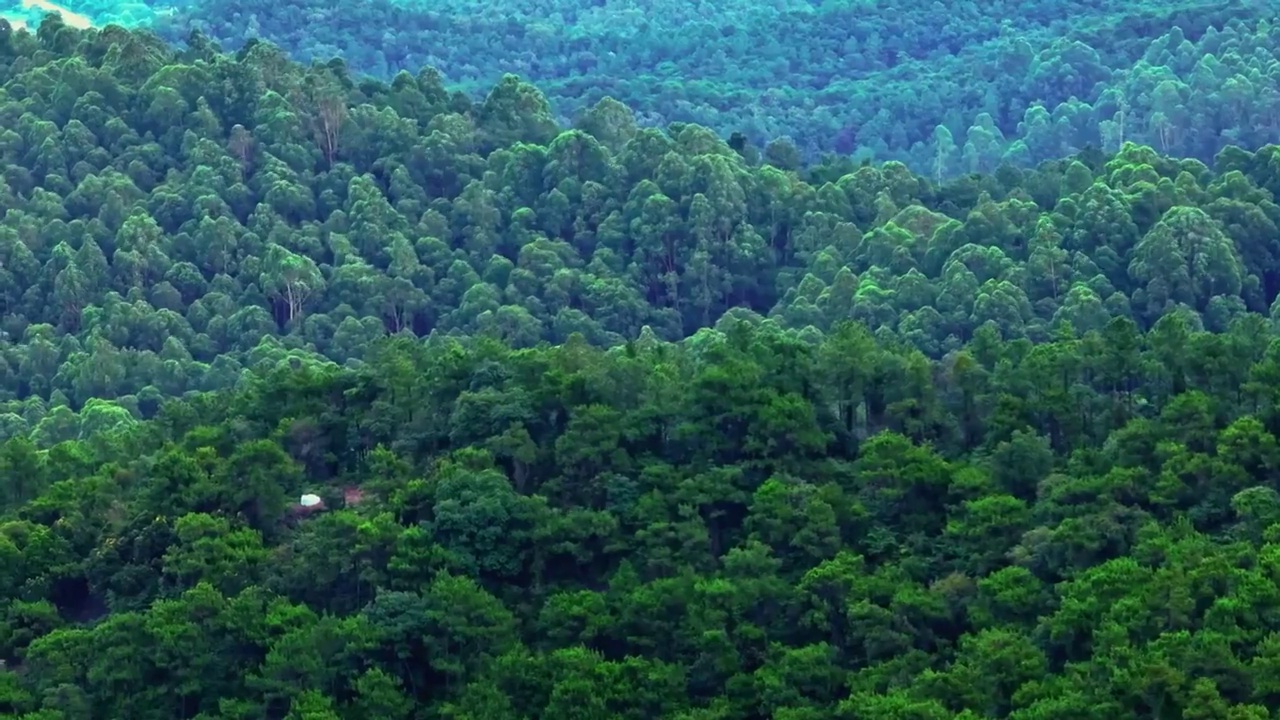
875, 77
946, 87
82, 14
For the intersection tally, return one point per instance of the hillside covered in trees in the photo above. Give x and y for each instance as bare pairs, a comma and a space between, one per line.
610, 420
946, 87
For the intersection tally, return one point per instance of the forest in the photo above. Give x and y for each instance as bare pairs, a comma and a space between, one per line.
946, 87
607, 419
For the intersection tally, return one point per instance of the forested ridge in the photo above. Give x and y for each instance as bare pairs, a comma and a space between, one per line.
611, 421
946, 87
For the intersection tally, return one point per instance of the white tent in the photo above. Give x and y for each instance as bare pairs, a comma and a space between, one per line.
309, 500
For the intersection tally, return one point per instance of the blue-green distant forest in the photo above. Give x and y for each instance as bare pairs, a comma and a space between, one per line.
947, 88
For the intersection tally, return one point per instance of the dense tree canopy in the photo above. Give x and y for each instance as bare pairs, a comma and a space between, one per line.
611, 421
161, 238
946, 87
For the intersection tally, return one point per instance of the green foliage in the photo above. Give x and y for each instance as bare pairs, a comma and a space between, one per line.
162, 240
607, 533
611, 422
942, 87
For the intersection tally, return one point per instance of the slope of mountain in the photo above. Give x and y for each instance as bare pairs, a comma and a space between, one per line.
331, 398
948, 88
